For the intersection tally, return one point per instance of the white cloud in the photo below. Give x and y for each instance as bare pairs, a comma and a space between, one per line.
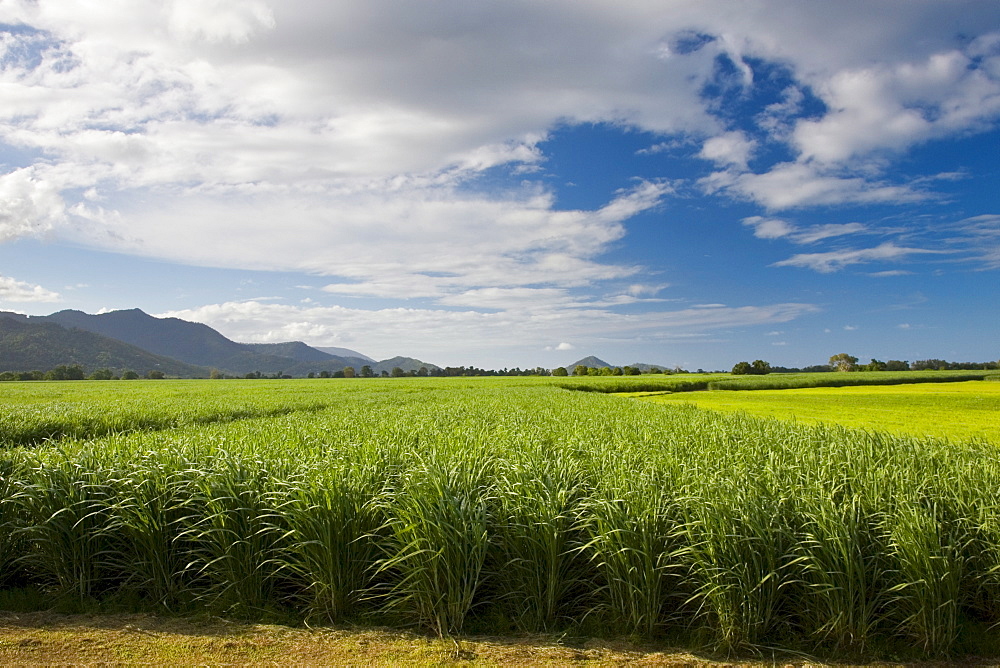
777, 228
446, 336
820, 232
441, 244
731, 148
640, 289
836, 260
792, 185
345, 139
219, 20
29, 205
980, 236
890, 272
769, 228
894, 106
12, 290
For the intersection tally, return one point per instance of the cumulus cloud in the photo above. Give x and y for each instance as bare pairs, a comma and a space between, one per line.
29, 206
892, 107
731, 148
12, 290
347, 139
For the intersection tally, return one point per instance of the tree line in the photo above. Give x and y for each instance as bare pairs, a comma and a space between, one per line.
76, 372
846, 362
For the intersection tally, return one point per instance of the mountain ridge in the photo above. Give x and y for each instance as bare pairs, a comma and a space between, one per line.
32, 345
195, 345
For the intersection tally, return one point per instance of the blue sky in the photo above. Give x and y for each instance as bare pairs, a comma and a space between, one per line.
687, 183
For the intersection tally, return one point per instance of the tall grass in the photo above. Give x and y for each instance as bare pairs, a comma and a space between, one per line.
437, 540
539, 538
333, 520
444, 503
10, 537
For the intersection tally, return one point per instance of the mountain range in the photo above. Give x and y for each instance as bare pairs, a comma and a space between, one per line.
598, 363
132, 339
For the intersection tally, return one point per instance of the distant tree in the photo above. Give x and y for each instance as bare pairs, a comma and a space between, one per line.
385, 374
924, 365
560, 371
215, 374
742, 368
311, 374
102, 374
128, 374
64, 372
606, 371
875, 365
342, 373
366, 372
350, 373
155, 375
631, 371
324, 374
423, 372
580, 370
397, 372
593, 371
760, 367
843, 362
897, 365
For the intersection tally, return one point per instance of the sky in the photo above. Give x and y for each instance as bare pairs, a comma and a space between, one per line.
513, 183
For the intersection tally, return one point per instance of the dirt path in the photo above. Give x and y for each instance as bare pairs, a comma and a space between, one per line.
121, 640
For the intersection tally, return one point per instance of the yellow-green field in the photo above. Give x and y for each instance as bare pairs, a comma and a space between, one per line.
957, 411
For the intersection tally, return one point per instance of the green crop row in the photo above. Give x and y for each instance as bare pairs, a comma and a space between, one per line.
840, 379
447, 503
33, 413
774, 381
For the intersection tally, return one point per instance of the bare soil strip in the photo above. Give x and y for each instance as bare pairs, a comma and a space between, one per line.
136, 639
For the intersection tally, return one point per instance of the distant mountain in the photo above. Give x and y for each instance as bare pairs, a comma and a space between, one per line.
195, 348
29, 344
195, 343
189, 342
344, 352
589, 361
404, 363
646, 368
295, 350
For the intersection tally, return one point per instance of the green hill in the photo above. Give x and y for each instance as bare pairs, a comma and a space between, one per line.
28, 345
